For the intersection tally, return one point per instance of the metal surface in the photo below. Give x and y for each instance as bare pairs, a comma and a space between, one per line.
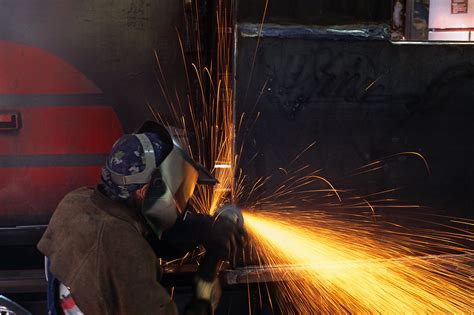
360, 101
20, 235
336, 32
8, 307
56, 137
259, 274
409, 16
18, 281
10, 120
79, 75
111, 44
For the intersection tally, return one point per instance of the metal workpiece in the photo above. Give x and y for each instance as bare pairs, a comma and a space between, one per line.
280, 273
293, 272
257, 274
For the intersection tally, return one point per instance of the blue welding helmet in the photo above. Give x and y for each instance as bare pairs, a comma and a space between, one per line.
170, 184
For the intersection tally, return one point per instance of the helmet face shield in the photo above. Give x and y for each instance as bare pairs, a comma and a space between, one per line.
171, 186
179, 176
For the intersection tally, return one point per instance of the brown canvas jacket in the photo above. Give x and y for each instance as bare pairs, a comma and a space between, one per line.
97, 248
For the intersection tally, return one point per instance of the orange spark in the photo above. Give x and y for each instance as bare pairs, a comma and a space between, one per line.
347, 270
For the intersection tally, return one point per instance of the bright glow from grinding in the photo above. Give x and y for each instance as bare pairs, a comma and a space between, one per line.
222, 166
345, 270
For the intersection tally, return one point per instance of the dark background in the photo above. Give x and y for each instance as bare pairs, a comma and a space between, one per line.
322, 12
362, 101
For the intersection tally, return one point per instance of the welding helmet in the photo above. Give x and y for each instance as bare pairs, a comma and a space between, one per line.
170, 177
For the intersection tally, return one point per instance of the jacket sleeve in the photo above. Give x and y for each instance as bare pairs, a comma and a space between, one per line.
184, 236
130, 273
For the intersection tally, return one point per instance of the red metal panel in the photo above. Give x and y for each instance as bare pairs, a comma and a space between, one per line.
28, 70
68, 134
63, 130
37, 190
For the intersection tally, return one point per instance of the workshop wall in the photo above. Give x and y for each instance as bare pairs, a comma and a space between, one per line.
361, 100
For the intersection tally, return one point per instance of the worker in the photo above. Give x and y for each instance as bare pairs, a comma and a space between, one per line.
102, 245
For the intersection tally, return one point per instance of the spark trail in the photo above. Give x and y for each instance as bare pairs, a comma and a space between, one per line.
347, 268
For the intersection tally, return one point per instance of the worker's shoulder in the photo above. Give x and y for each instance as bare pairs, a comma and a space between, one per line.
73, 225
88, 208
80, 197
72, 205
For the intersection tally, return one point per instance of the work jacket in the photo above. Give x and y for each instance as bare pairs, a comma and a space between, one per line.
97, 248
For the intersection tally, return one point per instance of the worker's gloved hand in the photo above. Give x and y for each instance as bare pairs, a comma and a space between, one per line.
205, 299
226, 235
184, 236
220, 235
225, 238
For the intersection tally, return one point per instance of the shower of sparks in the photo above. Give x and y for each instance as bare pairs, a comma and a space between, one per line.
207, 124
338, 259
352, 267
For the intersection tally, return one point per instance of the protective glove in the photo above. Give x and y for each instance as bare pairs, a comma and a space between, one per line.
184, 236
205, 299
225, 238
220, 235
